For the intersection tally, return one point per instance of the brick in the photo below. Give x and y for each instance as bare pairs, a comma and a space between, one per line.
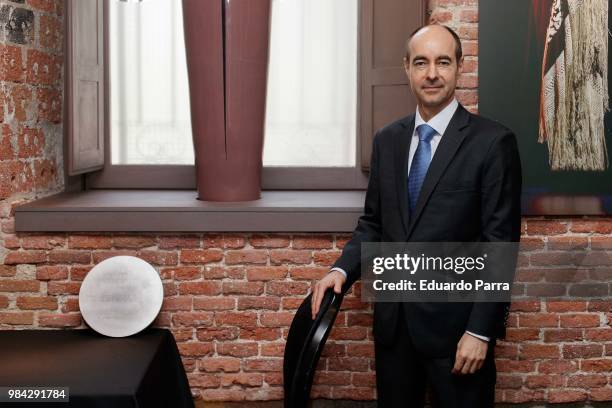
546, 227
284, 288
588, 290
233, 241
264, 273
214, 303
604, 242
179, 241
594, 227
326, 258
570, 243
19, 101
558, 396
557, 367
3, 302
263, 365
515, 366
219, 364
246, 256
19, 286
531, 244
599, 366
49, 104
183, 272
195, 349
441, 16
601, 394
281, 256
470, 48
467, 96
16, 318
7, 270
71, 304
525, 306
43, 5
25, 257
571, 351
274, 349
200, 288
247, 349
565, 306
538, 320
60, 320
276, 319
177, 303
223, 395
538, 351
360, 319
348, 333
201, 255
242, 379
133, 241
69, 256
269, 241
358, 364
223, 241
63, 288
603, 334
565, 275
559, 258
192, 319
260, 333
312, 242
30, 143
203, 381
37, 302
50, 32
157, 257
219, 334
51, 272
562, 335
78, 273
586, 381
360, 350
239, 319
20, 25
520, 335
42, 241
508, 381
11, 64
90, 242
245, 288
544, 381
363, 379
259, 303
579, 320
42, 68
308, 272
468, 16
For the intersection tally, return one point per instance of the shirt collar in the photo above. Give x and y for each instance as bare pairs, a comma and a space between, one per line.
441, 120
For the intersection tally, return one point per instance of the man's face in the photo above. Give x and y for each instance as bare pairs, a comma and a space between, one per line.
433, 69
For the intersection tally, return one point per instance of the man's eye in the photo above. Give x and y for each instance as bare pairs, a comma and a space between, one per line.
419, 63
445, 63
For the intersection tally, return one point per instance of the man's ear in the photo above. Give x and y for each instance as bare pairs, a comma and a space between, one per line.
406, 66
460, 65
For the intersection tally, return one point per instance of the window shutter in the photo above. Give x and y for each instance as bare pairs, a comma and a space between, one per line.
384, 92
84, 85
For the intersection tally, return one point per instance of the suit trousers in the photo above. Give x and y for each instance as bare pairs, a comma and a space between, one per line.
403, 375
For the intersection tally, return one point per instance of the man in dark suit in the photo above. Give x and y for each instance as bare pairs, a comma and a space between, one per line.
439, 175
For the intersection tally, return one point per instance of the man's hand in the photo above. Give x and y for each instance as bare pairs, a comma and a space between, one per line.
333, 279
471, 353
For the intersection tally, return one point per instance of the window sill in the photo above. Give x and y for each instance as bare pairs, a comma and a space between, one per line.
180, 211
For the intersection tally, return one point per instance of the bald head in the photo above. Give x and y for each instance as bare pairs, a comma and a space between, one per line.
434, 32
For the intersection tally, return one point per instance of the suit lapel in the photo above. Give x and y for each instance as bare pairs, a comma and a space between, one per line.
450, 142
402, 148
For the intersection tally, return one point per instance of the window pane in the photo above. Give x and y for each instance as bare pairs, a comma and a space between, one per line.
312, 86
150, 122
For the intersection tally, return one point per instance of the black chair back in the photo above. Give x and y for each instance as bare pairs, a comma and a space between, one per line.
304, 345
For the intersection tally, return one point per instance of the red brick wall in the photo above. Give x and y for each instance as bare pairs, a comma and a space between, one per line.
230, 297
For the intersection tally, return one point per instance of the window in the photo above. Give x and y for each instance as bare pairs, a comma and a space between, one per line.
329, 88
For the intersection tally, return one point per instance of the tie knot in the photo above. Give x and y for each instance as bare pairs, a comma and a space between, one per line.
425, 132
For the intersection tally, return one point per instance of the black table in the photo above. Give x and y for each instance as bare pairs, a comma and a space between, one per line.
144, 370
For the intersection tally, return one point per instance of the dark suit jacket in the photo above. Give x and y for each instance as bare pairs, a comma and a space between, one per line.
471, 193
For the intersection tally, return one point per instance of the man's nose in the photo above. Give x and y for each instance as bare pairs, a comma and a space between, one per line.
432, 72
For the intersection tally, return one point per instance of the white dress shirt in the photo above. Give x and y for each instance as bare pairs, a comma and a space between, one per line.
439, 123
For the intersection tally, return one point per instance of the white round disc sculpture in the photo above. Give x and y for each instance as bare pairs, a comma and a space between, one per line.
121, 296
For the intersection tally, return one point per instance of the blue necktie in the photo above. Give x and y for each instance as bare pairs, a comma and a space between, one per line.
420, 163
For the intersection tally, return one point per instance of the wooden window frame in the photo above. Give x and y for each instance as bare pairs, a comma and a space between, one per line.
113, 176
